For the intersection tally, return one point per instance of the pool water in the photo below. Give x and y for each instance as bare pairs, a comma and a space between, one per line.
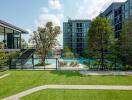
79, 60
53, 61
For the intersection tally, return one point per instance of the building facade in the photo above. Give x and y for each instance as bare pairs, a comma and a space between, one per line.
75, 35
10, 35
114, 14
118, 13
127, 10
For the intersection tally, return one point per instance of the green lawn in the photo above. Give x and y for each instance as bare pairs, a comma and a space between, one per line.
52, 94
2, 73
22, 80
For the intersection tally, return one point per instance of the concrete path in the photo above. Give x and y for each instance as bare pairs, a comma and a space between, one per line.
96, 87
5, 75
106, 73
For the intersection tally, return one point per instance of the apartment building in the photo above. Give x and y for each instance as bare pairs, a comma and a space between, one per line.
75, 35
118, 13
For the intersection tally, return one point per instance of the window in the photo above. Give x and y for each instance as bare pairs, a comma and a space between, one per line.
79, 25
1, 34
110, 16
126, 15
79, 39
16, 40
79, 30
126, 6
9, 38
79, 34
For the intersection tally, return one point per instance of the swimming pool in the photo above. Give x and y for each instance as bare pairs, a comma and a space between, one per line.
53, 61
79, 60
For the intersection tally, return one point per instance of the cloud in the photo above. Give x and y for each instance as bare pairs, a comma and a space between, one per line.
47, 14
48, 17
44, 10
55, 4
89, 9
53, 13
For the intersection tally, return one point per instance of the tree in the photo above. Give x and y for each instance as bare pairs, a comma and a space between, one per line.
45, 39
23, 44
99, 38
1, 45
68, 52
125, 43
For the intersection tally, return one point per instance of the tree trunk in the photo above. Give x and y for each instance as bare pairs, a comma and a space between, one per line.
102, 58
102, 52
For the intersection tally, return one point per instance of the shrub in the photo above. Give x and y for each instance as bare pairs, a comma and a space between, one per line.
5, 58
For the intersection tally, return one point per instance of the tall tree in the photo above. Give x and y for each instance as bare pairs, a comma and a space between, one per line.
125, 43
24, 44
68, 53
45, 39
99, 38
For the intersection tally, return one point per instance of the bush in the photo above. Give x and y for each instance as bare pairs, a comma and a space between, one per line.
40, 64
5, 58
68, 55
127, 67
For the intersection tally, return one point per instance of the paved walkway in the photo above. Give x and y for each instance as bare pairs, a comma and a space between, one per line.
106, 73
5, 75
97, 87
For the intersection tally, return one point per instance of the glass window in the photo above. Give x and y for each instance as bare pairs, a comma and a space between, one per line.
1, 34
126, 6
126, 15
110, 16
9, 38
79, 34
16, 40
131, 3
79, 25
131, 12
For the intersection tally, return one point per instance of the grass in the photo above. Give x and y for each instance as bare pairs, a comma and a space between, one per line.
56, 94
19, 81
3, 72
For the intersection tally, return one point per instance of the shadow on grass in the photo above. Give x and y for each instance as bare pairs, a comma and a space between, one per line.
67, 73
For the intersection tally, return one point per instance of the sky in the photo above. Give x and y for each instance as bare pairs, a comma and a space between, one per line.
29, 14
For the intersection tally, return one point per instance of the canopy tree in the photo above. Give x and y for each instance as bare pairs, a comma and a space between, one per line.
45, 40
24, 44
100, 38
68, 53
124, 49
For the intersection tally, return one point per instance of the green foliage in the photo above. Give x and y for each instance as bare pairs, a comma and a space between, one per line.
40, 64
85, 54
5, 58
66, 49
45, 39
68, 53
124, 44
100, 37
24, 44
1, 45
127, 67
